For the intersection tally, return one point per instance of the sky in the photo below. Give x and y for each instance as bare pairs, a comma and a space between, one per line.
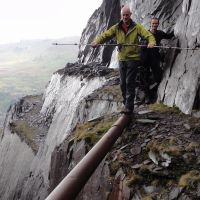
43, 19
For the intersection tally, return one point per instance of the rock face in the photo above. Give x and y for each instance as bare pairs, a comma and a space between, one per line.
157, 157
35, 127
24, 132
180, 84
36, 148
107, 15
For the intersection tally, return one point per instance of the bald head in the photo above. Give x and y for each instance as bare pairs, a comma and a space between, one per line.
126, 14
125, 9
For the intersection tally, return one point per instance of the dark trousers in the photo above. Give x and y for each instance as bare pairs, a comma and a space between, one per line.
151, 62
128, 72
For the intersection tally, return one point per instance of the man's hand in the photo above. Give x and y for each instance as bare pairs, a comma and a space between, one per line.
150, 45
94, 44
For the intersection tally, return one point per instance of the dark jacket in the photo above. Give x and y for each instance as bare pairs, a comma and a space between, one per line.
159, 35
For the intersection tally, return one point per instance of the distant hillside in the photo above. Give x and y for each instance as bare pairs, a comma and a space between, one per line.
38, 51
26, 67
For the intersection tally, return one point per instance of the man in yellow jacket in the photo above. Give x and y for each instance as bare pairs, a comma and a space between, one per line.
127, 32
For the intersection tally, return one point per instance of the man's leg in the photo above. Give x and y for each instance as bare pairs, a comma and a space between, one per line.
122, 73
156, 69
146, 79
146, 62
132, 69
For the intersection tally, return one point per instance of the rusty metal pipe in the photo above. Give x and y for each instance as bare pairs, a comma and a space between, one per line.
72, 184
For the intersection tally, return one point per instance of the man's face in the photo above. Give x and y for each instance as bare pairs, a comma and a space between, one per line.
154, 24
126, 15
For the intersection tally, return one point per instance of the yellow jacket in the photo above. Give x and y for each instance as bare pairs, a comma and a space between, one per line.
131, 37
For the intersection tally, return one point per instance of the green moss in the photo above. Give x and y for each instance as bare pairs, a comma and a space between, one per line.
93, 131
194, 120
168, 146
192, 146
149, 197
194, 124
159, 107
120, 162
25, 132
173, 140
189, 179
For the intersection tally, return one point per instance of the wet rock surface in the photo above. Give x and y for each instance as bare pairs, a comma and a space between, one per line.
28, 123
105, 16
180, 83
159, 160
88, 71
158, 155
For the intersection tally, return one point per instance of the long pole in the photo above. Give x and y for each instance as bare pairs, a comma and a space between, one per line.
71, 185
138, 45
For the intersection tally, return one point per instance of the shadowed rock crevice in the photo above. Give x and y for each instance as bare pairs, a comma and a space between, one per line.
196, 105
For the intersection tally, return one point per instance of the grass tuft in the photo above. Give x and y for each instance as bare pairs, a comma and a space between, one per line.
25, 132
159, 107
189, 179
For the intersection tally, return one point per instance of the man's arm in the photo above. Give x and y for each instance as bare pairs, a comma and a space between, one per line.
105, 36
147, 35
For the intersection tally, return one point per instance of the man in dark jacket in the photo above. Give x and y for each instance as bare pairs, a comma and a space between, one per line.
127, 32
151, 58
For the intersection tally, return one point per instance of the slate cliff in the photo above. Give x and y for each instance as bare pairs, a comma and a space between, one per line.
41, 141
35, 126
180, 84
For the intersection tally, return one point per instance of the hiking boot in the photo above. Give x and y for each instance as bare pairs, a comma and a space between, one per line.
126, 111
131, 122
